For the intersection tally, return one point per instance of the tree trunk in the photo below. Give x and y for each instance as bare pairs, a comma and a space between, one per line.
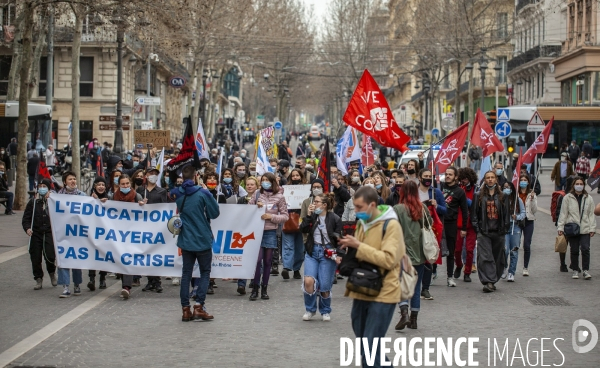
21, 185
39, 47
75, 77
470, 101
457, 96
13, 75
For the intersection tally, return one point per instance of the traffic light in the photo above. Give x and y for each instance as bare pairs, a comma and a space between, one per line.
512, 143
491, 116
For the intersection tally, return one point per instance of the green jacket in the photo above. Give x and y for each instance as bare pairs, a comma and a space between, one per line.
413, 237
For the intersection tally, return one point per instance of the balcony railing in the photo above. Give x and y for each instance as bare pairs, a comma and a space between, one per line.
523, 3
534, 53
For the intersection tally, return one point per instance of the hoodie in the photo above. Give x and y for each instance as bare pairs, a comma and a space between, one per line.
382, 251
200, 207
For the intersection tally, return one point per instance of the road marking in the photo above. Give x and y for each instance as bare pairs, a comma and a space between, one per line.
38, 337
12, 254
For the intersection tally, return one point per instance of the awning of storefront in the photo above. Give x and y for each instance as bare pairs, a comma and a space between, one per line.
10, 109
560, 113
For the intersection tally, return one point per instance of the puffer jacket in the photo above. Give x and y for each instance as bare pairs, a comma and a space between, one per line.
531, 207
570, 213
275, 205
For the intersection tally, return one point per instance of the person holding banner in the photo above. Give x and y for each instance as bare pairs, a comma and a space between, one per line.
70, 187
114, 181
292, 240
36, 223
197, 208
513, 237
126, 194
252, 189
211, 181
241, 174
98, 192
272, 198
323, 228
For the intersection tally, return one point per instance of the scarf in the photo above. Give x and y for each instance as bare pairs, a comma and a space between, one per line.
67, 190
129, 197
101, 196
228, 190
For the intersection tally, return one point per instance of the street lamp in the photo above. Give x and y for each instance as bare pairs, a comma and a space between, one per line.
117, 20
483, 66
202, 106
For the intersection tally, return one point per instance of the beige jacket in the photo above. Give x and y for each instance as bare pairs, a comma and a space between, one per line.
569, 212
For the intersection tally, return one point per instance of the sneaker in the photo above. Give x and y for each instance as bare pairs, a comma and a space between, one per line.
426, 295
176, 281
474, 268
510, 278
505, 273
307, 316
38, 284
467, 278
275, 271
111, 274
586, 275
525, 272
575, 274
76, 290
285, 274
66, 293
339, 277
159, 288
125, 294
326, 317
298, 276
457, 272
54, 279
451, 282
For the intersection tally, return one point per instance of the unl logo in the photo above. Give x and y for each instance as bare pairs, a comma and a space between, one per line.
228, 242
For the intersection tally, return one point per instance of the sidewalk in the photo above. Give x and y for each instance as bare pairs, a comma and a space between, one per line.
12, 234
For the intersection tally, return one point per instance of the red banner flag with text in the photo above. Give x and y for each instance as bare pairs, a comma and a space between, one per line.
367, 157
369, 112
452, 147
540, 144
516, 173
483, 136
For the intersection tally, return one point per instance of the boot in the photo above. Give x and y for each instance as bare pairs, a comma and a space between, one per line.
254, 293
54, 279
38, 284
404, 321
102, 284
413, 320
263, 292
187, 314
274, 270
92, 284
201, 313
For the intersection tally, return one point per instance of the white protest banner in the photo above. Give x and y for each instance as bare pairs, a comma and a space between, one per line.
295, 195
127, 238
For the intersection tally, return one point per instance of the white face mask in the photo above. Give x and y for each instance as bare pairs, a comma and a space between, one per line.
578, 188
153, 179
370, 185
563, 158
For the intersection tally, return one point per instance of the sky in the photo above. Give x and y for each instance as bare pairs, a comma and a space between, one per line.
320, 6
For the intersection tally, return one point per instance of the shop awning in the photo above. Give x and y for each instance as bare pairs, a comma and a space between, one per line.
10, 109
560, 113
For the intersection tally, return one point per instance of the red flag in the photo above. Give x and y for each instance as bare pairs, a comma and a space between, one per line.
452, 147
517, 172
367, 156
540, 144
43, 172
324, 172
369, 112
594, 180
483, 136
99, 166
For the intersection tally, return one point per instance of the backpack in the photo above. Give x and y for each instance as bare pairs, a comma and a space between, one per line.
554, 208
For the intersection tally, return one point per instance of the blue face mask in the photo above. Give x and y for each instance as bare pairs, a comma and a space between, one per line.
116, 181
506, 191
129, 157
120, 168
318, 211
167, 180
365, 216
227, 180
42, 191
125, 190
136, 163
266, 185
499, 172
524, 184
378, 186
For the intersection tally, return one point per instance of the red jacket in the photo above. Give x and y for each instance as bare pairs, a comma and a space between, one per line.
470, 193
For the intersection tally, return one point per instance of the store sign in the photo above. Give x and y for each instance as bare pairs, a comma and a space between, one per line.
112, 127
177, 81
113, 118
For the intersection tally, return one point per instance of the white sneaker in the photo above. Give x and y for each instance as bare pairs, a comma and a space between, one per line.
575, 274
510, 278
176, 281
451, 282
586, 275
111, 274
326, 317
505, 273
307, 316
525, 272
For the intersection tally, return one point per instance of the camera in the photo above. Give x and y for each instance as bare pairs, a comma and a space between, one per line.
331, 253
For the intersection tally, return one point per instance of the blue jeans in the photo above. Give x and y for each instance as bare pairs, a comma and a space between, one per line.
293, 251
10, 196
204, 259
31, 182
415, 301
527, 235
563, 183
513, 242
65, 279
370, 320
322, 270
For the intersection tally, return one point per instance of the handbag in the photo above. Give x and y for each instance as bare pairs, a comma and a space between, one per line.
430, 244
560, 245
408, 278
292, 225
572, 228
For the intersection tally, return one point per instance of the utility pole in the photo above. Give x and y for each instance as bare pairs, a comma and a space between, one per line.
47, 131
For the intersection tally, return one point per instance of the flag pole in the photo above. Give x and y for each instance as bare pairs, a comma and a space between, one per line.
435, 144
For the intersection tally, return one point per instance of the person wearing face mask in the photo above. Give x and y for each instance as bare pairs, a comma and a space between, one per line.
490, 216
152, 193
342, 195
323, 228
252, 189
411, 171
241, 174
114, 181
528, 197
99, 191
434, 200
292, 249
252, 169
244, 157
370, 182
467, 179
271, 197
231, 185
138, 179
513, 237
41, 245
355, 179
578, 208
124, 193
4, 193
211, 181
397, 181
561, 171
70, 187
381, 186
